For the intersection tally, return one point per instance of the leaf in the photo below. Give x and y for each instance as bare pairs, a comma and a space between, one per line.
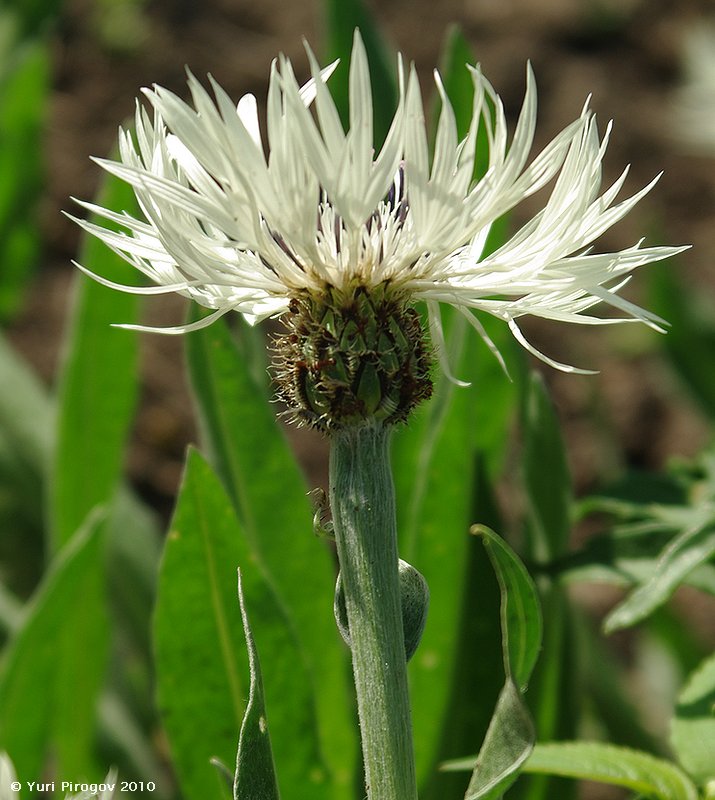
255, 771
262, 478
24, 83
26, 432
343, 17
58, 655
520, 609
547, 483
475, 682
618, 766
693, 727
98, 385
684, 553
691, 336
200, 654
507, 745
546, 475
510, 737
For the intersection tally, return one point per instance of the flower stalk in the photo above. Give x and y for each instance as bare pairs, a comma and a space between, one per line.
363, 505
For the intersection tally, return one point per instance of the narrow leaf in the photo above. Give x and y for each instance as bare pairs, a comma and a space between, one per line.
687, 551
255, 772
58, 655
201, 656
693, 728
618, 766
98, 385
546, 475
343, 17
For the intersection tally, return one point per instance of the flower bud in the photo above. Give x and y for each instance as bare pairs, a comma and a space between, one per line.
352, 355
414, 598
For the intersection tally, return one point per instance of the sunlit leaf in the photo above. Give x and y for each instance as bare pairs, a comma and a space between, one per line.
201, 654
693, 728
98, 383
618, 766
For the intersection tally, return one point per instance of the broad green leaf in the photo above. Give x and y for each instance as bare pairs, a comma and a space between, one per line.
520, 609
510, 736
688, 550
255, 771
201, 656
546, 475
262, 478
618, 766
55, 664
342, 18
693, 727
98, 384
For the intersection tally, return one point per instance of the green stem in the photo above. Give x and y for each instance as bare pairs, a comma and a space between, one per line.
362, 499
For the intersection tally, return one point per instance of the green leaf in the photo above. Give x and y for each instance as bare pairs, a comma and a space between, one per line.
475, 683
546, 475
98, 385
693, 727
618, 766
691, 336
686, 551
201, 655
342, 18
262, 478
507, 745
26, 429
55, 664
520, 609
510, 737
24, 83
255, 771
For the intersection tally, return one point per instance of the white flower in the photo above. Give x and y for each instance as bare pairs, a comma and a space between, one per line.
239, 224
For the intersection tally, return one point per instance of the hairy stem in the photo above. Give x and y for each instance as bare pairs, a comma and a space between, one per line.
363, 505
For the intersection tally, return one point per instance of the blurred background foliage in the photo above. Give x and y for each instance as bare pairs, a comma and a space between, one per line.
604, 485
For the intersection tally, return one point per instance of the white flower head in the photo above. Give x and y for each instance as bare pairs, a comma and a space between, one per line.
247, 215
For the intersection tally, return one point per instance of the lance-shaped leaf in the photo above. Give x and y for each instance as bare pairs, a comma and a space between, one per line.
201, 655
510, 737
693, 728
255, 771
640, 772
691, 548
55, 664
98, 385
